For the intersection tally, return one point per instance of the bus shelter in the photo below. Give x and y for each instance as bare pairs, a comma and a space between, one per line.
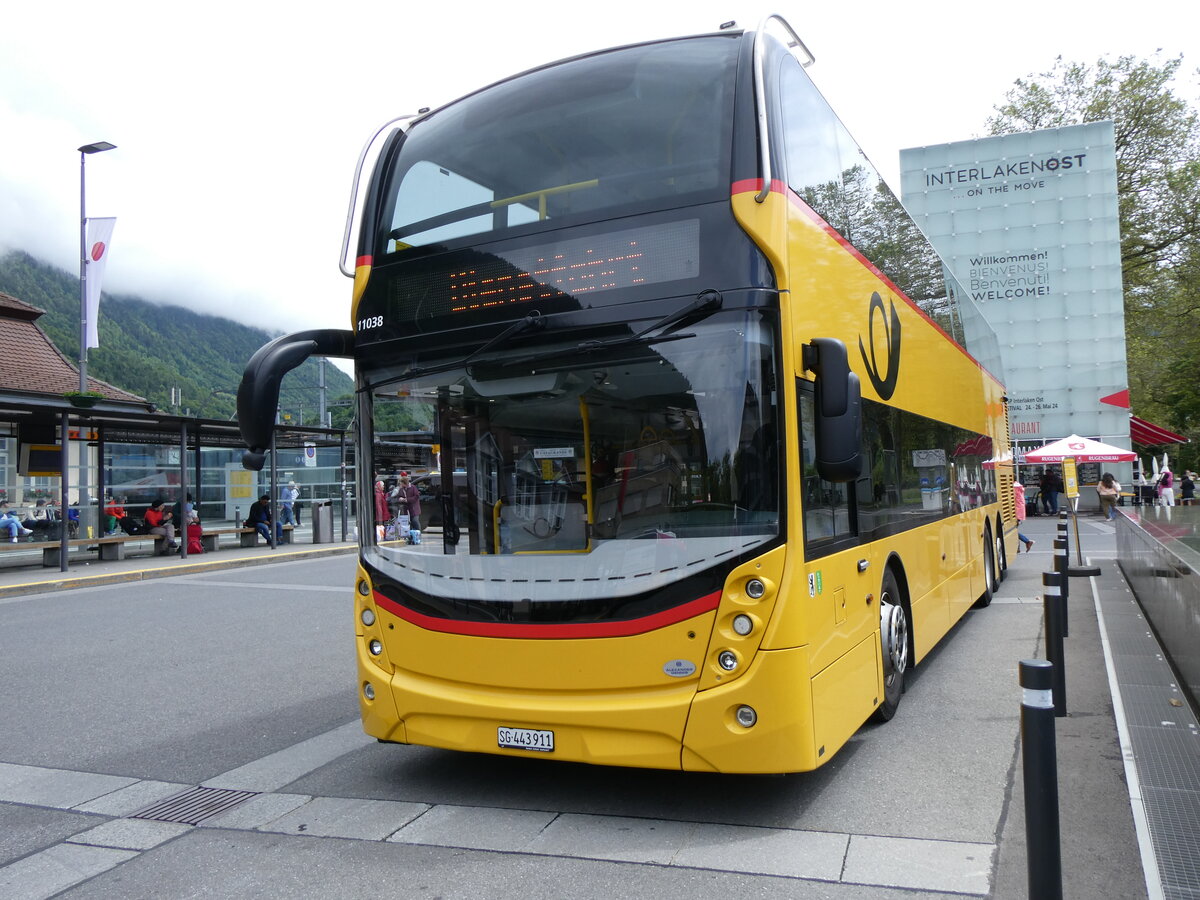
52, 448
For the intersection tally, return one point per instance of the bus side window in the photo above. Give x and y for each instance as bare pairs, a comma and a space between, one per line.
810, 139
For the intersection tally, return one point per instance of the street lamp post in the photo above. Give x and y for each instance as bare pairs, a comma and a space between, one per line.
84, 152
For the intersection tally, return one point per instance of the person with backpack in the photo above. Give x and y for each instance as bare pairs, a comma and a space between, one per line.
1166, 488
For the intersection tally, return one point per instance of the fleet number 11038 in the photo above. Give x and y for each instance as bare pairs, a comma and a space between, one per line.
370, 322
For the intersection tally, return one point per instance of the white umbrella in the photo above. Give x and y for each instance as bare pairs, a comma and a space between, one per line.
1154, 460
1081, 450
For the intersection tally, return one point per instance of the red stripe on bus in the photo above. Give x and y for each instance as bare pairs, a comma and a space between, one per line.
364, 261
754, 185
623, 628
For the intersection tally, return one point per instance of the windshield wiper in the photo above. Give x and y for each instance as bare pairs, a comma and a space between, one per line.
707, 302
532, 321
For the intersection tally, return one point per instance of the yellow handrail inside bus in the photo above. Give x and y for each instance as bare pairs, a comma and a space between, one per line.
543, 194
587, 471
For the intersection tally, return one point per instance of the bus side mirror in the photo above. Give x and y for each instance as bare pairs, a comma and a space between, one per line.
258, 394
838, 410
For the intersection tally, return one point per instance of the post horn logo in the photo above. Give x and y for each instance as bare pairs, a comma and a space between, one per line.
884, 385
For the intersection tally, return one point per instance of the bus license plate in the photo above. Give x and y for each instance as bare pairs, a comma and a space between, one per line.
525, 739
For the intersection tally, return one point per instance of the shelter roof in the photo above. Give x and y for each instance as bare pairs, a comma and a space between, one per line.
35, 377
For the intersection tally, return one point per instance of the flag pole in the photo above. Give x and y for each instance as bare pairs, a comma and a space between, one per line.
84, 151
82, 270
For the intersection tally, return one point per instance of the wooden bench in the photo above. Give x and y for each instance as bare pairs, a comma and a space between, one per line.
210, 538
110, 547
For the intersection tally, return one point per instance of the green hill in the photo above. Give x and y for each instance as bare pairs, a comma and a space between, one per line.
149, 348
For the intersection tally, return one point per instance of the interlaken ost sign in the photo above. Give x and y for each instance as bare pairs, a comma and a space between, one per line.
1028, 223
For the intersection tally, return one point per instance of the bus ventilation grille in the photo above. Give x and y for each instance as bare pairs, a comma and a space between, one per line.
193, 806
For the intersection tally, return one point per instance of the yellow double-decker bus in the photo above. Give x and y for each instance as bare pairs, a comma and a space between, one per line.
718, 448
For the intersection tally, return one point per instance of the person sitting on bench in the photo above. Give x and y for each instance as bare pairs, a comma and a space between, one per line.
159, 522
259, 518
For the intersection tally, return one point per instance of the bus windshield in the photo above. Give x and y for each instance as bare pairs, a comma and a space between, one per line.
588, 139
603, 470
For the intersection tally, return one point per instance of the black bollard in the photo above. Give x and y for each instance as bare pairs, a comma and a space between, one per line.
1062, 562
1040, 767
1052, 612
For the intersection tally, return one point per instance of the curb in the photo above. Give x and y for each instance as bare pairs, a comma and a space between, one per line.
70, 582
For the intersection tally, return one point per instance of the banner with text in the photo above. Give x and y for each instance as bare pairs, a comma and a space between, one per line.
1029, 224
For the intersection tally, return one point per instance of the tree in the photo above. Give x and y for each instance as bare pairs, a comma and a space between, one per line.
1158, 193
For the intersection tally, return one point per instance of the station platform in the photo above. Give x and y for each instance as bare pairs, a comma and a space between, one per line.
22, 572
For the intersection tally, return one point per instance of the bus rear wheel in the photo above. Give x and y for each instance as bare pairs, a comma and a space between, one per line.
893, 641
991, 581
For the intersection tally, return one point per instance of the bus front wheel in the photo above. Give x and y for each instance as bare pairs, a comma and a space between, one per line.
893, 639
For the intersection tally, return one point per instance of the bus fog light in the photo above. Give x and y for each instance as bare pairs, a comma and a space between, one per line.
368, 617
755, 589
375, 647
363, 587
743, 624
369, 690
727, 660
746, 716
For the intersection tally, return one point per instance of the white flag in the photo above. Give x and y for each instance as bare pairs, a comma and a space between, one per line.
99, 236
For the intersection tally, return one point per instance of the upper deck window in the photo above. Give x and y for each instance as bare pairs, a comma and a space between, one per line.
641, 127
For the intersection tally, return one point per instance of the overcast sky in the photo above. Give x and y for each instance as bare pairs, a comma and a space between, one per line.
238, 124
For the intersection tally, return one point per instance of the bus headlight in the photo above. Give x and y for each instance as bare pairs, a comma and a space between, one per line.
755, 589
727, 660
363, 587
746, 716
368, 617
368, 690
375, 647
742, 624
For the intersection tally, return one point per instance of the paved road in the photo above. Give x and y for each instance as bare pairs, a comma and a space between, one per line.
241, 682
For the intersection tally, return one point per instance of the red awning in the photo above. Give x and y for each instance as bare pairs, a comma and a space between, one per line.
1150, 435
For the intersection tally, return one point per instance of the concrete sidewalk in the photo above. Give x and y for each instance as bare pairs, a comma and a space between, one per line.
24, 573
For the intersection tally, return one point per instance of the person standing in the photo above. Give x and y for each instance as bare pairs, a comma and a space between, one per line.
1187, 488
412, 498
1051, 487
382, 513
1166, 485
1019, 493
1109, 490
287, 496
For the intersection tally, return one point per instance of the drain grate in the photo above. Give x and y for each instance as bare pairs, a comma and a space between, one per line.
194, 805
